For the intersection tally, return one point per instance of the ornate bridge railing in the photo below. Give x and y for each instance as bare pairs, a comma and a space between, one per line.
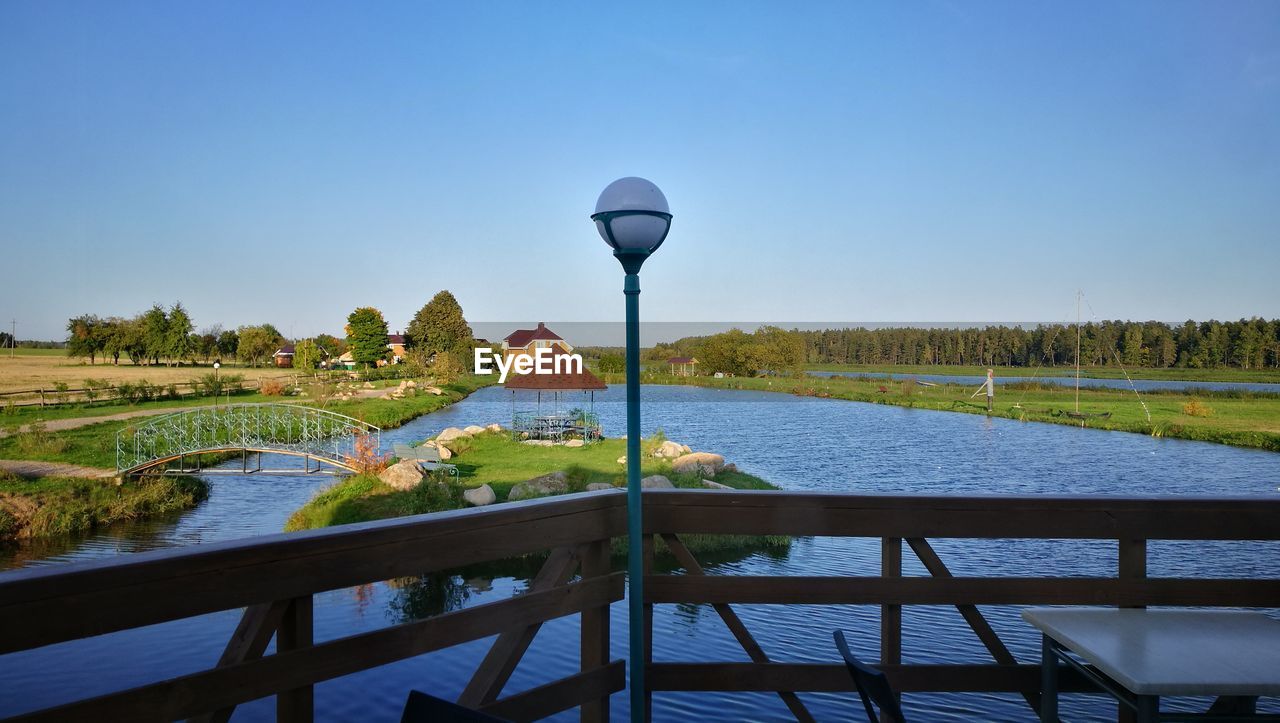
291, 429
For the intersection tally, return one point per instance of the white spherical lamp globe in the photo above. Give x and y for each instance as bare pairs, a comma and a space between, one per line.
632, 215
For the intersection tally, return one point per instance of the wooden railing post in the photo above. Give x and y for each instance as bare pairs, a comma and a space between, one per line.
890, 615
297, 705
1132, 566
595, 629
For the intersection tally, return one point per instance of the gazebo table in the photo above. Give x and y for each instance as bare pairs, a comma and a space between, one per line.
1138, 655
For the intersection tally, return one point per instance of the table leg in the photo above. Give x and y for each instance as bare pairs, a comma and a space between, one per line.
1148, 708
1048, 681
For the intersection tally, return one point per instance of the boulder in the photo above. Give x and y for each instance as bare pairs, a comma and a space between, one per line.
574, 443
622, 459
698, 463
547, 484
480, 496
445, 453
598, 486
449, 434
538, 442
402, 475
730, 467
668, 450
473, 430
685, 448
714, 485
494, 428
368, 385
656, 481
433, 390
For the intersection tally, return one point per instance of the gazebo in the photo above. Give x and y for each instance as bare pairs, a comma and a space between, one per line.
682, 366
554, 422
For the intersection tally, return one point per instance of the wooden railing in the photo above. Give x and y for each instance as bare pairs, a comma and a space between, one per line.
896, 519
275, 578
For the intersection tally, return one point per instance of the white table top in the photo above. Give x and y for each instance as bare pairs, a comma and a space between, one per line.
1171, 652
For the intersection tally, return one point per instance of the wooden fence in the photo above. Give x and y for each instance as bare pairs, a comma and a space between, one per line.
274, 579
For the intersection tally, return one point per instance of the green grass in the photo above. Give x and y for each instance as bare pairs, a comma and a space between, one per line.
1185, 375
1240, 419
495, 459
94, 445
65, 505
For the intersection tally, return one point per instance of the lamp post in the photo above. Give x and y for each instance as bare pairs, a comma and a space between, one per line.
216, 387
632, 216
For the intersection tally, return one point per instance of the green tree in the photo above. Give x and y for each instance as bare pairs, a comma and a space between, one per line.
306, 354
256, 343
155, 333
228, 343
367, 335
332, 345
178, 345
439, 327
612, 363
84, 337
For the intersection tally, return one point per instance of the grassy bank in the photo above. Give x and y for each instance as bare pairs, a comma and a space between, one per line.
65, 505
1265, 376
95, 445
1236, 418
496, 460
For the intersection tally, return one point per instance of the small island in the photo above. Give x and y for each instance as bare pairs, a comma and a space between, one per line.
494, 466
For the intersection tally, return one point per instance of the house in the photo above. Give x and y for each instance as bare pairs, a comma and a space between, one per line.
682, 366
527, 341
395, 344
284, 357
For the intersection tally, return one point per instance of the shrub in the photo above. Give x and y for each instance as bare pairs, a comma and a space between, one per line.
365, 458
271, 387
172, 391
61, 392
93, 388
209, 384
1196, 408
36, 440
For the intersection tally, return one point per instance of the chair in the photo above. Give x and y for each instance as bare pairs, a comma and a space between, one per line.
423, 708
872, 684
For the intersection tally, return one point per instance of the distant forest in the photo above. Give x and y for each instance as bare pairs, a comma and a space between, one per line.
1245, 344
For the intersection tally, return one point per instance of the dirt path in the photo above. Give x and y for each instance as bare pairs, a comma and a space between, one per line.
57, 425
34, 469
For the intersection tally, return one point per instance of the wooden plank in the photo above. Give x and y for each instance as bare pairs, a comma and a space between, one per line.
994, 645
594, 629
891, 613
197, 693
835, 678
504, 655
561, 695
736, 626
257, 626
296, 705
1131, 565
821, 514
98, 597
854, 590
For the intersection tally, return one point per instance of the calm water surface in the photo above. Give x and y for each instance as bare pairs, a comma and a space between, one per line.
798, 443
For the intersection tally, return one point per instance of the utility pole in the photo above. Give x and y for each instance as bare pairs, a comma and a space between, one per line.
1079, 294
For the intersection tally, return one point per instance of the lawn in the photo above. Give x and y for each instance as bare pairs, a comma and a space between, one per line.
63, 505
1237, 418
1271, 376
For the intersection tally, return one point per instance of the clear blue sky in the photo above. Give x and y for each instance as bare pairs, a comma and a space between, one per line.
929, 161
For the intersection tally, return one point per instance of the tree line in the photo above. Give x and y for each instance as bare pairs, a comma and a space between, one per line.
1244, 344
438, 335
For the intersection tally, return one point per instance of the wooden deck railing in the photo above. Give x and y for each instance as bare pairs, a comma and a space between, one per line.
896, 519
275, 578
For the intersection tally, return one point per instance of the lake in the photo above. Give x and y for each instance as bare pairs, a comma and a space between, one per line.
797, 443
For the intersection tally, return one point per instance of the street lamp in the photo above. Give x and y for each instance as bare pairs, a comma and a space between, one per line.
216, 387
632, 216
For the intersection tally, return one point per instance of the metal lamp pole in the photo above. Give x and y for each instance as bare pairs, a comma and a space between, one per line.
632, 216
